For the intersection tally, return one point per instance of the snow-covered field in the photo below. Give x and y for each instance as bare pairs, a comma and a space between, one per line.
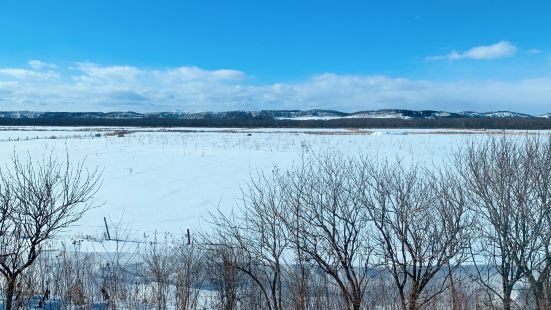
168, 180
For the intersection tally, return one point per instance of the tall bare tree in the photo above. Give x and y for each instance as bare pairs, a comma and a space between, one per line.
509, 185
328, 225
257, 236
536, 221
420, 227
39, 199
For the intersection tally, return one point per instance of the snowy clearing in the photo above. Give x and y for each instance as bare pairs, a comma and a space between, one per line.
168, 180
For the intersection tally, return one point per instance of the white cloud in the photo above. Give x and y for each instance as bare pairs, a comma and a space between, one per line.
92, 74
19, 73
39, 65
195, 73
533, 51
94, 87
500, 49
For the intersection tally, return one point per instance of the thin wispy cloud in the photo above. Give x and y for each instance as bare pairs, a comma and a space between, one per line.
26, 74
534, 51
89, 86
39, 65
500, 49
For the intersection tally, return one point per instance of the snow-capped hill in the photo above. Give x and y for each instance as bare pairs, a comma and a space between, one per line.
305, 115
391, 113
383, 113
380, 114
297, 115
506, 114
20, 114
403, 114
495, 114
78, 115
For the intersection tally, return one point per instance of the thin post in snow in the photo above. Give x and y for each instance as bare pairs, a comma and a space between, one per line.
106, 228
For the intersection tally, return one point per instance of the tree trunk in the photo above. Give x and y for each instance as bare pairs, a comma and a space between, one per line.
356, 299
547, 294
10, 292
507, 290
413, 297
539, 295
402, 299
356, 303
452, 289
507, 302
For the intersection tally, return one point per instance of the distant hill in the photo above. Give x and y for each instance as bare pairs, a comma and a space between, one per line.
391, 113
271, 114
386, 118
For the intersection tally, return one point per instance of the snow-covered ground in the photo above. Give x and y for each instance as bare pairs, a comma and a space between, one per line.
168, 180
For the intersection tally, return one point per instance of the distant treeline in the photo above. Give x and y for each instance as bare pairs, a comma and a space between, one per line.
522, 123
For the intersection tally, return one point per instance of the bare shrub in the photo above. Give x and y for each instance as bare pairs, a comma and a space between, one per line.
39, 198
121, 281
189, 265
224, 278
158, 269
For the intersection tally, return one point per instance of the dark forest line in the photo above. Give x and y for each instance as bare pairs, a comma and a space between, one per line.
521, 123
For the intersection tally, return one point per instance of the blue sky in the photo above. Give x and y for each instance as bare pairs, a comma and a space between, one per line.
226, 55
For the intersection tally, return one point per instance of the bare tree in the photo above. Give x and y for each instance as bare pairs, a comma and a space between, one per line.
420, 227
509, 185
257, 238
535, 217
328, 225
39, 199
489, 171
